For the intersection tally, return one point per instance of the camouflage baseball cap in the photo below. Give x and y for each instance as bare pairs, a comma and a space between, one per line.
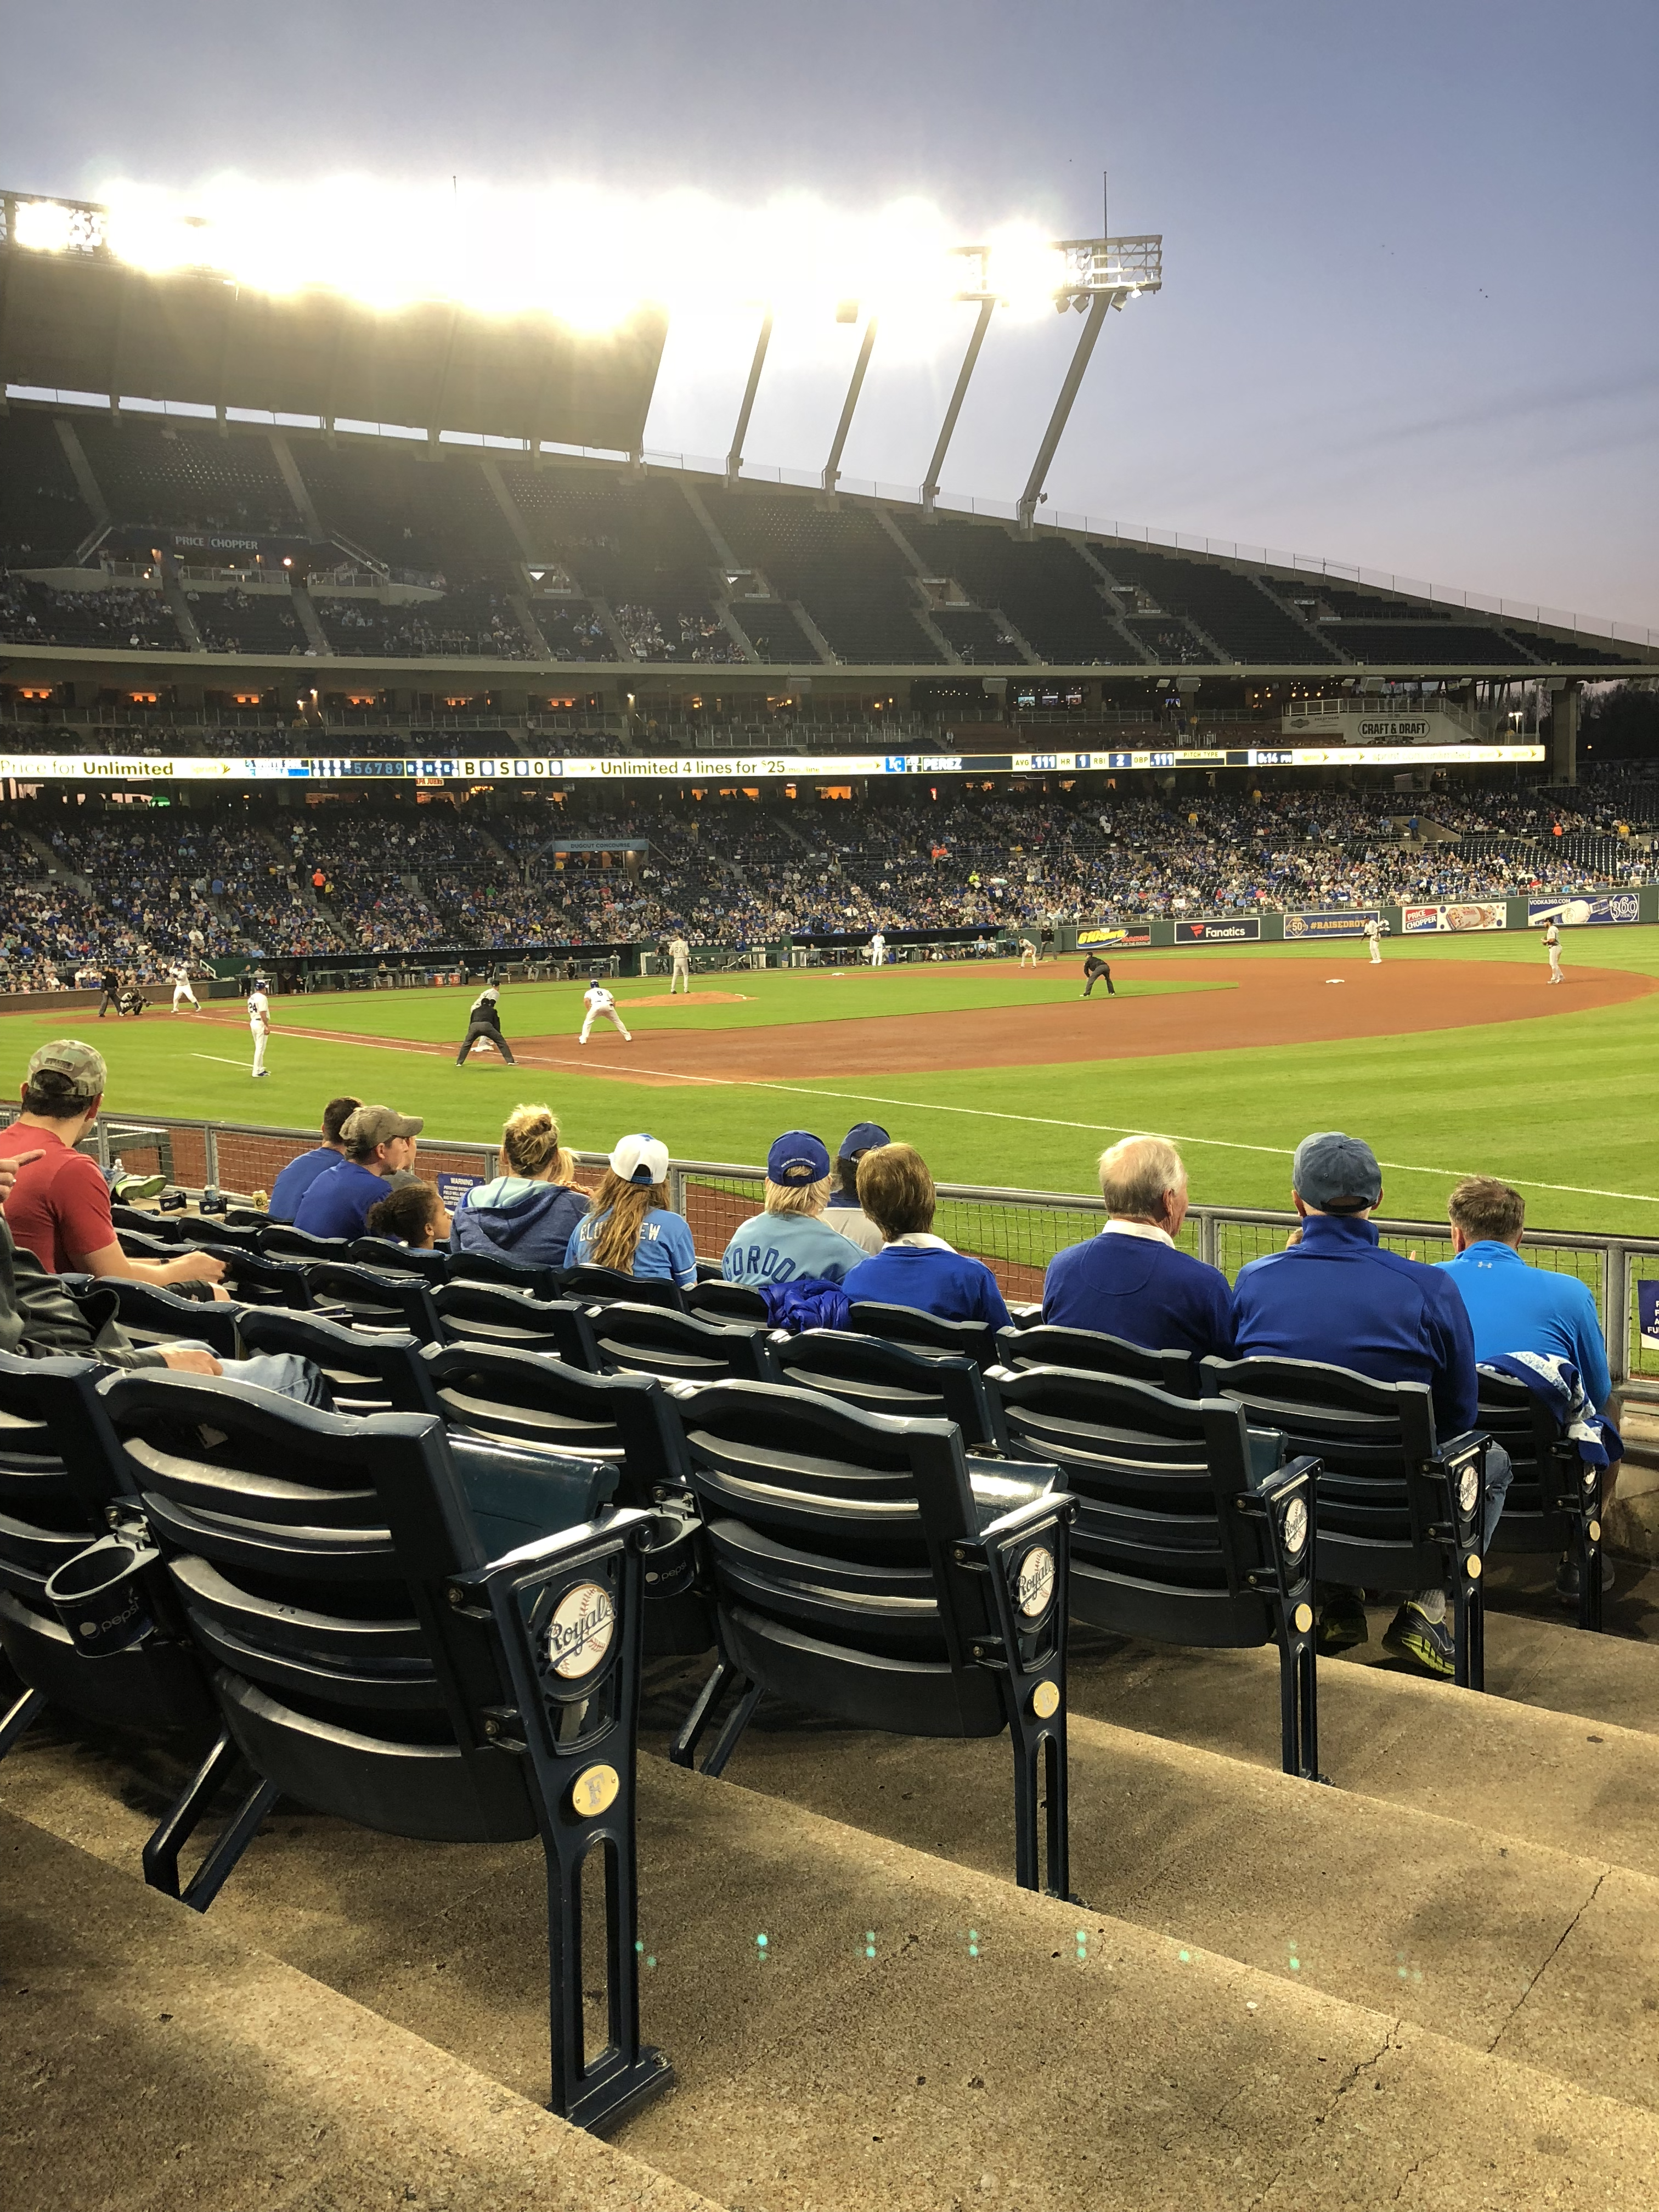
72, 1070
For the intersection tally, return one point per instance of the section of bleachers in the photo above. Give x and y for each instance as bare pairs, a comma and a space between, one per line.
1227, 607
978, 639
43, 517
246, 622
423, 518
1045, 587
842, 566
120, 617
183, 476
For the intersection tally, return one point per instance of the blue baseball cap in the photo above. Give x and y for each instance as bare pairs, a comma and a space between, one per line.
796, 1159
1334, 1171
863, 1137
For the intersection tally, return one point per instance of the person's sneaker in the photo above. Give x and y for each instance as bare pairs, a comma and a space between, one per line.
135, 1187
1567, 1579
1342, 1624
1427, 1644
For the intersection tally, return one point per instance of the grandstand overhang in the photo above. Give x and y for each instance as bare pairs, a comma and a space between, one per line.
76, 319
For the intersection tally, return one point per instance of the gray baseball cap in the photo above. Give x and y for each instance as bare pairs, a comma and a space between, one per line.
379, 1125
76, 1070
1334, 1171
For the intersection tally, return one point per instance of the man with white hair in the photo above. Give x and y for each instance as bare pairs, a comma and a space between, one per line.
1131, 1281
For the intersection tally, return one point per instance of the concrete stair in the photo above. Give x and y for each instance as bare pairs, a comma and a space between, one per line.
1070, 2061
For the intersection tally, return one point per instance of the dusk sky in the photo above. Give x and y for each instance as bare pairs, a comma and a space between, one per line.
1411, 308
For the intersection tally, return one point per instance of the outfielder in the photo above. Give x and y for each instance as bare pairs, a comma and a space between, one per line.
179, 972
1096, 970
485, 1021
1374, 939
1553, 946
679, 954
259, 1022
599, 1001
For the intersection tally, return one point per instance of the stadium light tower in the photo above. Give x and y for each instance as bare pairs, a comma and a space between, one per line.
1094, 275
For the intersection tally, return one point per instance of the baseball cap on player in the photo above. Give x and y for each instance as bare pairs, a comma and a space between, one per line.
1335, 1173
379, 1125
863, 1137
797, 1157
73, 1070
642, 1159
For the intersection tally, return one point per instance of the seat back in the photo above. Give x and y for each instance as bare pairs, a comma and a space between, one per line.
1550, 1486
147, 1244
715, 1300
161, 1227
283, 1240
927, 1332
508, 1275
367, 1371
254, 1279
1381, 1488
1047, 1345
370, 1299
848, 1552
216, 1231
596, 1286
645, 1339
150, 1315
59, 1480
374, 1660
879, 1377
625, 1420
1159, 1547
396, 1259
513, 1321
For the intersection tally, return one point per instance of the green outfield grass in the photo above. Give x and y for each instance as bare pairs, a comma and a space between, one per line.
1562, 1106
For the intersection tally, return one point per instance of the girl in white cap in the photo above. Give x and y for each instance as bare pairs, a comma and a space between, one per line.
631, 1227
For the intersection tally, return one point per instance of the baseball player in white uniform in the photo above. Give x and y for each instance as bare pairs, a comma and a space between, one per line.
1027, 953
599, 1001
1374, 939
679, 954
1553, 946
259, 1022
179, 972
877, 950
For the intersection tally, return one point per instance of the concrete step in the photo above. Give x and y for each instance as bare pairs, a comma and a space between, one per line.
987, 2056
1500, 1945
155, 2061
1584, 1786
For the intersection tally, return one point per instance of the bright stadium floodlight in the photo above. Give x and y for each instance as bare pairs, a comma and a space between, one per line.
1089, 274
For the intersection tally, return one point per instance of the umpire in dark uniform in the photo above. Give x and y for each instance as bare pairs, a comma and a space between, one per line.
485, 1021
1096, 970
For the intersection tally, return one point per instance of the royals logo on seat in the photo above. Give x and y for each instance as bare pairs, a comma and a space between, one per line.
579, 1635
1034, 1583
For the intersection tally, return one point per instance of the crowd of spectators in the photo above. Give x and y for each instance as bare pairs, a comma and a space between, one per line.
694, 636
362, 874
33, 614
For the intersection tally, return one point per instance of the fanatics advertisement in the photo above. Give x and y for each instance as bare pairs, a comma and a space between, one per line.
1349, 922
1105, 939
1239, 929
1480, 913
1647, 1309
1583, 910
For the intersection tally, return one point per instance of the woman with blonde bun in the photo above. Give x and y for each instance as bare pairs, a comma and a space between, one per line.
527, 1212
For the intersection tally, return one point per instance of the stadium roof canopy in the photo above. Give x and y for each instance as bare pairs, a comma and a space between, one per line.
81, 320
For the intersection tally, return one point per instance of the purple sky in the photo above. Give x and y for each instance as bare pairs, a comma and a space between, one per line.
1411, 311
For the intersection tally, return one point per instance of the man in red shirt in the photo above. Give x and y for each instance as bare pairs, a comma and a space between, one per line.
60, 1205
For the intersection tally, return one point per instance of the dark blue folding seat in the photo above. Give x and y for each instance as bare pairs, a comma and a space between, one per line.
1048, 1344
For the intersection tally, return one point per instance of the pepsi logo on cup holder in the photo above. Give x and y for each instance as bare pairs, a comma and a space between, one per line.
99, 1596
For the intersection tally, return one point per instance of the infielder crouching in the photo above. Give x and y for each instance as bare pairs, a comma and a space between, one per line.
599, 1001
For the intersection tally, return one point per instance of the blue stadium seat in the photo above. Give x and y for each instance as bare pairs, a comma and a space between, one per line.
367, 1371
640, 1339
1048, 1344
927, 1332
879, 1377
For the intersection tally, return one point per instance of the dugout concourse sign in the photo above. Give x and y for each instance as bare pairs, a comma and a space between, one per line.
704, 768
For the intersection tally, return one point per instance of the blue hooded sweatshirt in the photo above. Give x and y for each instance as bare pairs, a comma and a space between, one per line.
513, 1218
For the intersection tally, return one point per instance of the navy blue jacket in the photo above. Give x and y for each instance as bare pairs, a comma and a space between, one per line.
513, 1218
1144, 1291
1338, 1297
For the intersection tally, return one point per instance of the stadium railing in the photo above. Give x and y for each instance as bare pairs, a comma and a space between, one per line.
1016, 1232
